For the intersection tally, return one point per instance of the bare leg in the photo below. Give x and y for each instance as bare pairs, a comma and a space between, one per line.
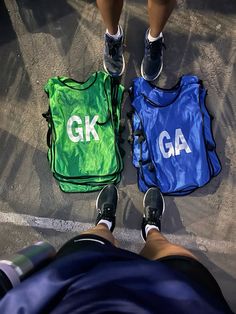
159, 12
102, 231
158, 246
110, 11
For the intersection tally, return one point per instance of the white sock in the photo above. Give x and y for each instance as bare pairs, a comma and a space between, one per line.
149, 227
106, 222
117, 35
151, 39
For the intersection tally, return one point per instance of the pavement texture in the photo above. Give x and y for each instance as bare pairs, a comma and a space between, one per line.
41, 39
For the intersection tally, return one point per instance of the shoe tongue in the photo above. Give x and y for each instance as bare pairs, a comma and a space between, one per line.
112, 39
114, 45
113, 48
156, 47
152, 208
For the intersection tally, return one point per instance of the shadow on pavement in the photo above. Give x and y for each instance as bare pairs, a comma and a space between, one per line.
47, 16
223, 7
13, 70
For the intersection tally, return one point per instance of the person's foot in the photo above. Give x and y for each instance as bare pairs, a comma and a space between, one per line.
106, 206
152, 63
113, 59
154, 207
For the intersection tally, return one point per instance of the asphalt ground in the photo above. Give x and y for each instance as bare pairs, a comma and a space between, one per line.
41, 39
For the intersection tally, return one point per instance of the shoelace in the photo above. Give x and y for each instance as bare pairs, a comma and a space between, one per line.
113, 47
155, 47
153, 214
105, 211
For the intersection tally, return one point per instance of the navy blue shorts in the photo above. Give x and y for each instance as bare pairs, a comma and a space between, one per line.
90, 275
189, 267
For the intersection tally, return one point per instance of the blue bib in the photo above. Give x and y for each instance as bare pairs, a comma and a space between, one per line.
173, 146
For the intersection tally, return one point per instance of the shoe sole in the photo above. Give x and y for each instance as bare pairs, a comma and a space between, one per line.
116, 75
164, 207
146, 78
100, 194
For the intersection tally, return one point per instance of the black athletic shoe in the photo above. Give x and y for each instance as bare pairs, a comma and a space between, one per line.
152, 63
106, 204
113, 59
154, 207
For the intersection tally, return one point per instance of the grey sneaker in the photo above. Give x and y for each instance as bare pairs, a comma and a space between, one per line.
113, 59
152, 63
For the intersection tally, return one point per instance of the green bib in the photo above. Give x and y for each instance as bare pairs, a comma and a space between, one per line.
83, 122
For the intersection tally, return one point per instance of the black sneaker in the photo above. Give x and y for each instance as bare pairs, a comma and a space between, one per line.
113, 59
106, 204
154, 207
152, 63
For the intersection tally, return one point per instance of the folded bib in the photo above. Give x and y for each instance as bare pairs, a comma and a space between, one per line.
173, 145
83, 121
